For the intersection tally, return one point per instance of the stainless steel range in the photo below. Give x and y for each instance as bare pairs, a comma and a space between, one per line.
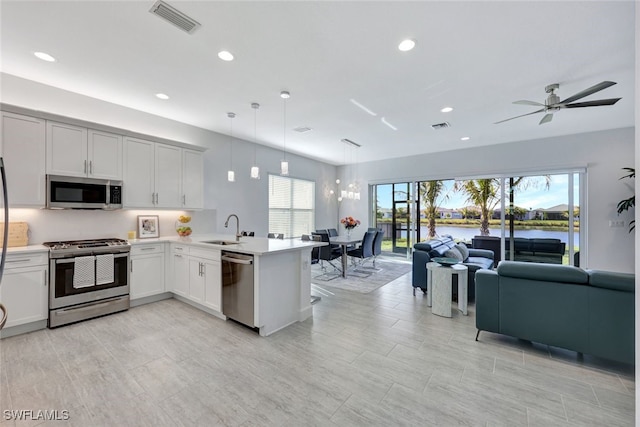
88, 278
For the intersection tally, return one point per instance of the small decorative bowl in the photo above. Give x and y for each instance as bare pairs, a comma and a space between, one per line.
447, 262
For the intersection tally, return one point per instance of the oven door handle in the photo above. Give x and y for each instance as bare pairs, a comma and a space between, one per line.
73, 259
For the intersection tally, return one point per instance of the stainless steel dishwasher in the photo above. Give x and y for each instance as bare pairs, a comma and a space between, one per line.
237, 287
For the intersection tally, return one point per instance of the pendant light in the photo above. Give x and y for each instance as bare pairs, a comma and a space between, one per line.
284, 164
255, 170
353, 188
231, 175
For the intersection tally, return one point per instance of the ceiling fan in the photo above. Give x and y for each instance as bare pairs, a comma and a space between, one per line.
553, 104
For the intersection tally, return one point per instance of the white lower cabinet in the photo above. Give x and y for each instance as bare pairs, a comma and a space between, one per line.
24, 291
147, 270
180, 282
213, 285
196, 275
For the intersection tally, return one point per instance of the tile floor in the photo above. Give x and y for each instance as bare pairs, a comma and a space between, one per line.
378, 359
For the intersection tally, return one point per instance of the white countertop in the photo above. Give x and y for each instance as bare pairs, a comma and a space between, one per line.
248, 245
26, 249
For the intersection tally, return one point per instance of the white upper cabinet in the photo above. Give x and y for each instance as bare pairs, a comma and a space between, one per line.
152, 175
139, 167
23, 148
77, 151
66, 150
105, 155
192, 179
168, 176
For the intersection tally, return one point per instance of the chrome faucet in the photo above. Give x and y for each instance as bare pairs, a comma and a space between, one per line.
226, 225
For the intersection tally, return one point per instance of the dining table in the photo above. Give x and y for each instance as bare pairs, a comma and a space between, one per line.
344, 241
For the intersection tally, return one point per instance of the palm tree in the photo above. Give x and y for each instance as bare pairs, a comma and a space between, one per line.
482, 193
431, 196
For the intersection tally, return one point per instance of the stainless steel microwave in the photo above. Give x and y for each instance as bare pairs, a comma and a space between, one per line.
68, 192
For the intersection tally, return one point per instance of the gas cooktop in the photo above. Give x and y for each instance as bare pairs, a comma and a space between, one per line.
79, 247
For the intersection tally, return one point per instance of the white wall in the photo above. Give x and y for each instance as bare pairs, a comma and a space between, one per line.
247, 198
604, 154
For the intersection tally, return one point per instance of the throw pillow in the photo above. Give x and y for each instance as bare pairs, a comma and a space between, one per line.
453, 253
463, 250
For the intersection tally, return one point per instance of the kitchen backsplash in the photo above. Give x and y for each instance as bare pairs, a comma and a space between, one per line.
51, 225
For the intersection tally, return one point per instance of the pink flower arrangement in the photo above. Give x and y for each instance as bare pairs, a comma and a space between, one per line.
349, 222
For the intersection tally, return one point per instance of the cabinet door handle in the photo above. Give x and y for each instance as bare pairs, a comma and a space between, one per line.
131, 266
204, 271
184, 199
85, 166
147, 249
177, 255
153, 198
90, 167
44, 273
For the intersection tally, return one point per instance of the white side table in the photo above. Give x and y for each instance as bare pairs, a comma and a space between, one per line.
439, 279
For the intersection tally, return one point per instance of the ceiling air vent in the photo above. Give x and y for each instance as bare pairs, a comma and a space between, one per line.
442, 125
302, 129
174, 16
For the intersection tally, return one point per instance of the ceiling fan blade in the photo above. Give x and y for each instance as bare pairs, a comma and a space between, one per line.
546, 119
596, 103
593, 89
528, 114
525, 102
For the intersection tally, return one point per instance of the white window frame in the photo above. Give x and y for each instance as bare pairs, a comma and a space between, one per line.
288, 228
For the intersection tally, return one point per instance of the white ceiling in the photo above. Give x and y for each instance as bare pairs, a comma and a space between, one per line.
477, 57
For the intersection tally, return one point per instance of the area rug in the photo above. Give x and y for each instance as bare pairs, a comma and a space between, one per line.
385, 272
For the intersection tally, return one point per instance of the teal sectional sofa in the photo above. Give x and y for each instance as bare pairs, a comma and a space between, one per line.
587, 311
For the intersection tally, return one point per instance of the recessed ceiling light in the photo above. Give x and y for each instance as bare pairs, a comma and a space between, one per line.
162, 96
225, 55
44, 56
285, 94
406, 45
447, 110
465, 138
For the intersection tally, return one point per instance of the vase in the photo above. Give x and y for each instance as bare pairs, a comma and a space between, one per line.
348, 233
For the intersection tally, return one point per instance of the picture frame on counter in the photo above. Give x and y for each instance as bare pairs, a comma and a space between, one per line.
148, 226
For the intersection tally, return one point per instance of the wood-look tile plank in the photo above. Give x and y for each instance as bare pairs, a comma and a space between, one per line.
363, 359
585, 414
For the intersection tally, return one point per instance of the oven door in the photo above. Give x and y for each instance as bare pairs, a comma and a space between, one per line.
64, 294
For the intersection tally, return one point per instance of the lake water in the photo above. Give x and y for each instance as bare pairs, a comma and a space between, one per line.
466, 234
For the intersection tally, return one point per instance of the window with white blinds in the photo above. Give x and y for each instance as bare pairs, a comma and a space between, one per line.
291, 206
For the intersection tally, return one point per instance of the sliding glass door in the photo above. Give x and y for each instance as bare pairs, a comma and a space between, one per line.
541, 212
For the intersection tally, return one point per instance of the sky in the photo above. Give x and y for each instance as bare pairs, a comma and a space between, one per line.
535, 196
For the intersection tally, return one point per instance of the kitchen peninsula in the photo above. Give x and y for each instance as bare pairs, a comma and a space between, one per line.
188, 269
194, 274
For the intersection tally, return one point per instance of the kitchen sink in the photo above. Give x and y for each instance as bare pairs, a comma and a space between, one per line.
220, 242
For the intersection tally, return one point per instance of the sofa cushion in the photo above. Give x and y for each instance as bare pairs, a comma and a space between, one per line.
463, 250
543, 272
454, 253
610, 280
479, 262
423, 246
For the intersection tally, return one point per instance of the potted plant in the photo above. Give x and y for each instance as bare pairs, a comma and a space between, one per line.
627, 204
